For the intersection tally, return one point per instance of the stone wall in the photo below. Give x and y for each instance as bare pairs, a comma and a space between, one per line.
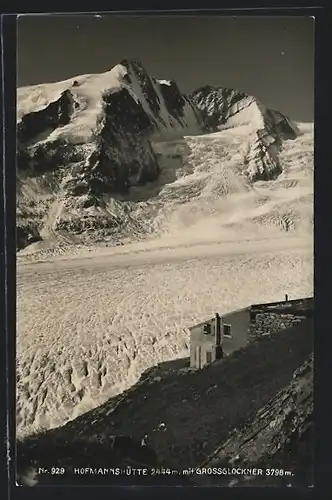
263, 323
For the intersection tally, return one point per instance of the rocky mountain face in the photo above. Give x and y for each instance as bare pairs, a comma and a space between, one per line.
83, 142
266, 129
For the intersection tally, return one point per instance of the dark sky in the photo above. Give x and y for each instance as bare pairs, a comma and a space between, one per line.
271, 58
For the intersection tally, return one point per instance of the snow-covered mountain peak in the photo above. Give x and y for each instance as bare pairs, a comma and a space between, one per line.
169, 114
97, 135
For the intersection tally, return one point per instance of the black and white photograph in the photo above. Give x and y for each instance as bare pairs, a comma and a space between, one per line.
165, 250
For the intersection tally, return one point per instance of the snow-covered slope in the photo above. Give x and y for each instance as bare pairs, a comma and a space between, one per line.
99, 154
213, 199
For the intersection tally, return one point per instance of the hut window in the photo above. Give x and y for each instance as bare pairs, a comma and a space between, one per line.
227, 330
207, 328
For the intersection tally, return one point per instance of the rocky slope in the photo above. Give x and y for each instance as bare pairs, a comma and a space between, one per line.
249, 409
86, 143
222, 417
279, 437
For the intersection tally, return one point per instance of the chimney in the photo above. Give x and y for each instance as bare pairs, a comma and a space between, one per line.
219, 351
218, 329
